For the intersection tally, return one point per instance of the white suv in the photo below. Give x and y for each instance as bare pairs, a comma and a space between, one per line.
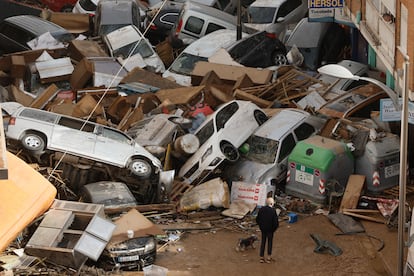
220, 135
39, 130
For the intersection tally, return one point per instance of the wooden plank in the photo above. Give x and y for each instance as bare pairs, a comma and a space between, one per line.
352, 214
352, 192
239, 94
43, 99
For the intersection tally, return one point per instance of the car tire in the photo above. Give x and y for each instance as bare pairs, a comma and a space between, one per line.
33, 142
67, 8
229, 151
260, 117
279, 59
140, 167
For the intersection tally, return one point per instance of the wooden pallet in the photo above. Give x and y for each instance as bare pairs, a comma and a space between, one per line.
395, 191
178, 189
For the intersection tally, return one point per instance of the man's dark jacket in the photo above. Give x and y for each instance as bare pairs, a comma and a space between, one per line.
267, 219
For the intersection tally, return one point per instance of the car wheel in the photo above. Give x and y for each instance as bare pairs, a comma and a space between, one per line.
140, 168
229, 151
279, 58
33, 142
260, 117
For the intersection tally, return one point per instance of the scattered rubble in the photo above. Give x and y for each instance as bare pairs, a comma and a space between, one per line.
82, 81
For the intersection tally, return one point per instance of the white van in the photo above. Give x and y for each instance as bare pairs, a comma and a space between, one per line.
197, 20
274, 16
199, 50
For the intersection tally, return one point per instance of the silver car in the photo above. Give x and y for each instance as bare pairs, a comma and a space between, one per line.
269, 146
39, 130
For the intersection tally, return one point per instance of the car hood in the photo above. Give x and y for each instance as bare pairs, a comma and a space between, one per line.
270, 28
154, 62
180, 79
249, 171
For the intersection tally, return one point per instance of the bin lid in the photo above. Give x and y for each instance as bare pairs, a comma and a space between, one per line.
318, 152
383, 147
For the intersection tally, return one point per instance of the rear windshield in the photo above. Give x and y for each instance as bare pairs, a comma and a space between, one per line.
261, 15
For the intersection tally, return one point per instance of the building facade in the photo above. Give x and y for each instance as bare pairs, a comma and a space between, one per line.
385, 25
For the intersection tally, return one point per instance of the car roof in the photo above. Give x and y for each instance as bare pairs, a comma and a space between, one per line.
315, 33
210, 11
281, 123
267, 3
116, 10
207, 45
35, 25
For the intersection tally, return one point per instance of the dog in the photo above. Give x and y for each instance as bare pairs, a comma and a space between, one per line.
245, 243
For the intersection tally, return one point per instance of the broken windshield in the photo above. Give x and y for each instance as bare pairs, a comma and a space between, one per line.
143, 49
262, 150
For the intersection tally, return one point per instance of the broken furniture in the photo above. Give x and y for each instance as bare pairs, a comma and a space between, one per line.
71, 232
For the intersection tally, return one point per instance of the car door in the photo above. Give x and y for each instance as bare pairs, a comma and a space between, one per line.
112, 146
73, 136
285, 148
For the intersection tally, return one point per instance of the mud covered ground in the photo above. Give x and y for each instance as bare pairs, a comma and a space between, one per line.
212, 252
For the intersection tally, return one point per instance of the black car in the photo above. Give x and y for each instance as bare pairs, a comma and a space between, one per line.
16, 31
260, 49
133, 253
160, 20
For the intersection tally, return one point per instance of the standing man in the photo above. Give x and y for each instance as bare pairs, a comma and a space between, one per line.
268, 222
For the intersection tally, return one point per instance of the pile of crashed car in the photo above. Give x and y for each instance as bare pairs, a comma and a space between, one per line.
115, 122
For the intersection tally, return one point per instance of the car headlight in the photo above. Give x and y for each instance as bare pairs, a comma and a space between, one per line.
149, 246
207, 153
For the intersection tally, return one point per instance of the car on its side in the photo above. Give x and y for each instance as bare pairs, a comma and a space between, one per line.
16, 31
39, 130
220, 136
200, 50
274, 16
197, 20
267, 149
128, 44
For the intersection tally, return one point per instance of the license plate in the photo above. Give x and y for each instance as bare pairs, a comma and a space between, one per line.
124, 259
304, 177
392, 170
